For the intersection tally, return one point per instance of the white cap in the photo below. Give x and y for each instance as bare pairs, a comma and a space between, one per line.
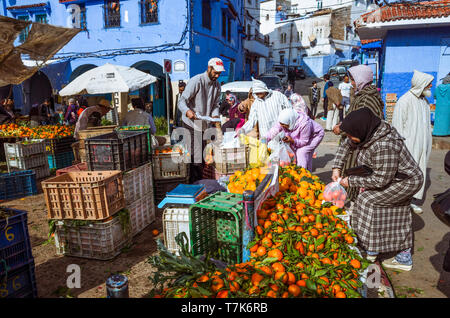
217, 64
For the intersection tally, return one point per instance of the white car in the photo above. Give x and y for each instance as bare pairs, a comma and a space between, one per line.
239, 88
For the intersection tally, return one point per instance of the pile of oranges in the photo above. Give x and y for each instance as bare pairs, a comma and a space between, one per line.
302, 248
39, 132
166, 150
248, 180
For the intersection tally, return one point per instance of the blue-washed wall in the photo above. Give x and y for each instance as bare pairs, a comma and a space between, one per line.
209, 43
317, 66
408, 50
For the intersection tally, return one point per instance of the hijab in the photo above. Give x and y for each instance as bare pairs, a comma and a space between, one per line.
298, 103
288, 117
363, 76
361, 123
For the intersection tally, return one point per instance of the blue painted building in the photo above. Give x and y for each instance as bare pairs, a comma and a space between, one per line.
415, 37
137, 33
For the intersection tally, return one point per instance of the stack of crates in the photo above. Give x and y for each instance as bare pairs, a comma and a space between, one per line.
27, 155
78, 148
59, 152
127, 149
87, 209
169, 170
17, 269
229, 160
216, 227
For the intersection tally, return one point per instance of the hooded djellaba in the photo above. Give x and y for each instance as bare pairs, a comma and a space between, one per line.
366, 95
411, 118
381, 217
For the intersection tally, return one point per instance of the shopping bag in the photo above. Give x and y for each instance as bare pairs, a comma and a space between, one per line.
284, 156
335, 193
258, 152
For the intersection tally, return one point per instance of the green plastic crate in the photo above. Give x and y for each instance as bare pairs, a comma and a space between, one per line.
140, 128
215, 227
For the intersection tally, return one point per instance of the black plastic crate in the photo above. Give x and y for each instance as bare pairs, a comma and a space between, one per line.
15, 246
119, 150
19, 283
59, 145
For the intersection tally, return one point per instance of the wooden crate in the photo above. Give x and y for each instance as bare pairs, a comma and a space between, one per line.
84, 195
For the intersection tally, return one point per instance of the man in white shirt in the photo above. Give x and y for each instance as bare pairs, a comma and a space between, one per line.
265, 109
345, 88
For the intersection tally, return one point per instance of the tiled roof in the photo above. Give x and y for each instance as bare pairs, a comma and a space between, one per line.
408, 11
369, 41
27, 6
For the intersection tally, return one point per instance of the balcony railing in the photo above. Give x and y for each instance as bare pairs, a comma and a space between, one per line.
258, 38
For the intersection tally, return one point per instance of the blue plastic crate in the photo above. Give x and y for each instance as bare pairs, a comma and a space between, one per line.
61, 160
15, 246
17, 184
19, 283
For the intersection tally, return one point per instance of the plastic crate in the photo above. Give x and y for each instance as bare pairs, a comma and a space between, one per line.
120, 150
142, 213
17, 184
175, 221
60, 160
78, 167
59, 145
164, 186
137, 182
169, 165
215, 227
21, 149
84, 195
15, 247
94, 240
90, 132
227, 161
26, 163
4, 140
144, 128
19, 283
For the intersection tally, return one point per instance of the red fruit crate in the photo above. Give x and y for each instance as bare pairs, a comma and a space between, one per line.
78, 167
84, 195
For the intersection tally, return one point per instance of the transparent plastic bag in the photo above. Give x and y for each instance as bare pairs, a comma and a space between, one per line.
335, 193
284, 156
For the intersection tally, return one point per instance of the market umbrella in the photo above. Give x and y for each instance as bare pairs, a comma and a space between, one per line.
106, 79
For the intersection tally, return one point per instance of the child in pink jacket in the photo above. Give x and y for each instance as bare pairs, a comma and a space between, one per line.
300, 132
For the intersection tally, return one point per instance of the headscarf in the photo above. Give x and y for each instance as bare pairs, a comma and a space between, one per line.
288, 117
361, 123
419, 82
298, 103
259, 86
232, 98
363, 76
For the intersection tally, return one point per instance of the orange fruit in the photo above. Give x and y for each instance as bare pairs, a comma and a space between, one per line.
355, 263
278, 267
254, 248
267, 270
256, 279
155, 232
301, 283
341, 295
267, 242
275, 253
261, 251
294, 290
291, 278
271, 294
222, 294
282, 276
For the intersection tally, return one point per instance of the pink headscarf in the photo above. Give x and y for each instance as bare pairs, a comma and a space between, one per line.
298, 103
362, 74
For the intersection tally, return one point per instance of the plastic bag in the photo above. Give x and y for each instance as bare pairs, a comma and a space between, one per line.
335, 193
258, 153
284, 156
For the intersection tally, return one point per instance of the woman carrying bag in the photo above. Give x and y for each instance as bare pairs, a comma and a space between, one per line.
381, 217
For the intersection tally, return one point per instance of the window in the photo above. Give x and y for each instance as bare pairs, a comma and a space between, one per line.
112, 13
249, 31
319, 4
224, 24
83, 21
149, 11
206, 14
41, 18
267, 17
23, 35
298, 36
281, 58
229, 29
301, 36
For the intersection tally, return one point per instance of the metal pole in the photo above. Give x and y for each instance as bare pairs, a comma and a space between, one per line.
168, 104
248, 232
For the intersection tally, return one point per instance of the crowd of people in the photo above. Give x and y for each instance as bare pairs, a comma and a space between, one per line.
395, 154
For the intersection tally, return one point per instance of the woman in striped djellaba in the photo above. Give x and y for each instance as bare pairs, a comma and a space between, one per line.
365, 95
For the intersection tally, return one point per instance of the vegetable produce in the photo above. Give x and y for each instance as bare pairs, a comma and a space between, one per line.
39, 132
302, 248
